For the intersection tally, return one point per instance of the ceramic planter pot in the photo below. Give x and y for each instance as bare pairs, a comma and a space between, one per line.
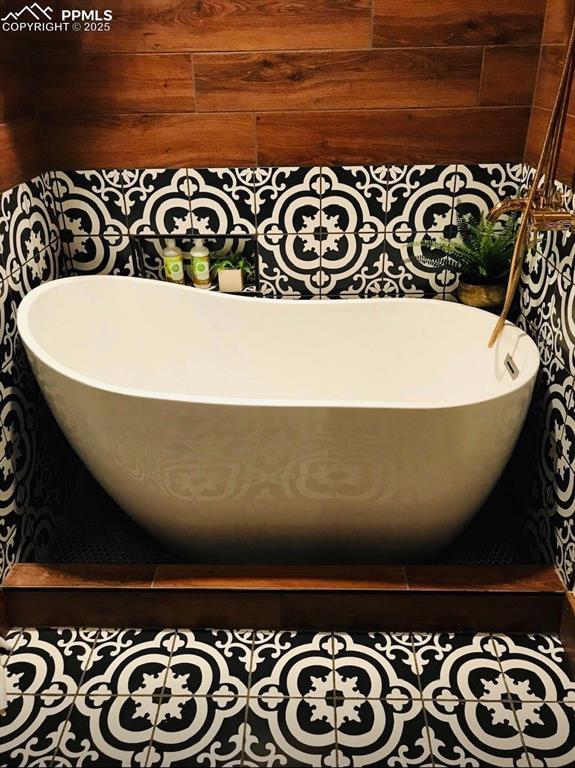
489, 296
231, 280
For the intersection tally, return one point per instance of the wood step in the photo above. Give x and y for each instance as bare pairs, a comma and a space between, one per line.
390, 598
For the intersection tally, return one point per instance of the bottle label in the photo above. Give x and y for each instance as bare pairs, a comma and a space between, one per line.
201, 270
174, 269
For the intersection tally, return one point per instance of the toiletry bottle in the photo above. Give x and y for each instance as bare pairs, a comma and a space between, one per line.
200, 257
173, 263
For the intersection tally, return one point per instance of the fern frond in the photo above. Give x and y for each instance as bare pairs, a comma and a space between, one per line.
482, 249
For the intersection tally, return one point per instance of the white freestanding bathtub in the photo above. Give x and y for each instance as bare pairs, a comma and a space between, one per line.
240, 429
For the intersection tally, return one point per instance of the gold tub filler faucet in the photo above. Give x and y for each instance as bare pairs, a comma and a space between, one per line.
543, 208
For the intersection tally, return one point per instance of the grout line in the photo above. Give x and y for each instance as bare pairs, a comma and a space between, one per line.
334, 704
6, 658
305, 697
321, 238
247, 706
189, 196
511, 701
160, 696
420, 686
92, 649
54, 755
332, 636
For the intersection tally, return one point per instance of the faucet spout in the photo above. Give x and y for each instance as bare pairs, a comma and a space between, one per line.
507, 206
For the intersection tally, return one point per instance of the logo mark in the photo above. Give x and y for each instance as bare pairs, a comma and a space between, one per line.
37, 12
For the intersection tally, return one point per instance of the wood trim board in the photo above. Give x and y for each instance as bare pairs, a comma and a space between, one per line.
391, 598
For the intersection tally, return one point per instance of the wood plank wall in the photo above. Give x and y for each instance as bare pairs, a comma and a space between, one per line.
230, 82
183, 82
560, 14
20, 154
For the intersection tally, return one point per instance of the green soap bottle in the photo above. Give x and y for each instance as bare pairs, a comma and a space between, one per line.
173, 263
200, 265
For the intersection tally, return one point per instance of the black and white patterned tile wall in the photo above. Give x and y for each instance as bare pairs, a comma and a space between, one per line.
312, 232
33, 455
547, 313
317, 233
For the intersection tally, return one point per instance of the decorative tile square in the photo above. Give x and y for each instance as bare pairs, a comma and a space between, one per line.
562, 253
222, 201
548, 529
354, 199
537, 274
92, 202
31, 728
296, 664
108, 731
535, 668
49, 661
352, 264
8, 333
40, 268
198, 731
565, 445
527, 180
44, 212
408, 269
209, 663
101, 255
291, 732
375, 665
479, 187
554, 410
420, 199
565, 543
458, 666
19, 242
289, 265
376, 733
128, 661
548, 732
556, 320
474, 733
6, 203
288, 200
26, 458
158, 201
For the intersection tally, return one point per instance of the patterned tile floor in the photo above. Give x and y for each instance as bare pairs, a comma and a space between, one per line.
109, 697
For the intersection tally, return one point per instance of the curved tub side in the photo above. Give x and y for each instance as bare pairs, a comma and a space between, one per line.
235, 483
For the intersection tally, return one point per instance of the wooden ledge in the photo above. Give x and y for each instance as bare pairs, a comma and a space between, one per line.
388, 598
279, 578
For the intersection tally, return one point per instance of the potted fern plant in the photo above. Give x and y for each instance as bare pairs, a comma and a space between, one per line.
481, 255
231, 270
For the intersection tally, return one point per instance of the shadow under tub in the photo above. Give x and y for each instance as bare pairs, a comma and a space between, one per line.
93, 529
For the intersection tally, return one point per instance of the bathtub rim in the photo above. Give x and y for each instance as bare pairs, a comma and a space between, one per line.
30, 343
